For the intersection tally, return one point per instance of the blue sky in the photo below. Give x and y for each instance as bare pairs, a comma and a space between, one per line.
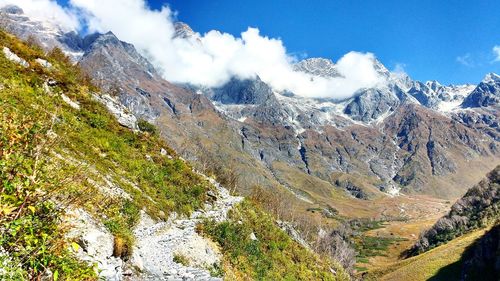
449, 41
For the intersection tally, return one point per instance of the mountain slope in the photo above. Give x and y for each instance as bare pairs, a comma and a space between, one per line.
479, 207
429, 265
255, 129
90, 192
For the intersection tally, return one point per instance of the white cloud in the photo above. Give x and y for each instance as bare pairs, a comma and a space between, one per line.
465, 60
47, 10
214, 57
496, 52
399, 68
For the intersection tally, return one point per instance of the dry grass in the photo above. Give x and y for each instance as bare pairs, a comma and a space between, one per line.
120, 247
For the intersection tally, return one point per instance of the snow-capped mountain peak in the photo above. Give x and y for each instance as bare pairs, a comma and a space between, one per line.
49, 34
183, 30
318, 66
491, 78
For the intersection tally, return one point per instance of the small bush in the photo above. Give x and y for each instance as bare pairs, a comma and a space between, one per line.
145, 126
120, 248
178, 258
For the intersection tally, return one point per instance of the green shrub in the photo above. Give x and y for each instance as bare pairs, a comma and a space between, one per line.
178, 258
145, 126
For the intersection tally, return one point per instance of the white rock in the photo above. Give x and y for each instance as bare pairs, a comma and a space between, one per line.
15, 58
98, 241
253, 237
44, 63
118, 110
71, 103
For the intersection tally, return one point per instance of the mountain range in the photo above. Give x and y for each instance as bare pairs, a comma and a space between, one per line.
388, 150
404, 136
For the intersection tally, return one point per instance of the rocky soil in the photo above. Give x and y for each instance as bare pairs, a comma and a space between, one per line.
157, 243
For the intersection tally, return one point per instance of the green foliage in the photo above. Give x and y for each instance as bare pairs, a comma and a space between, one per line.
363, 225
145, 126
30, 228
370, 246
178, 258
216, 270
273, 255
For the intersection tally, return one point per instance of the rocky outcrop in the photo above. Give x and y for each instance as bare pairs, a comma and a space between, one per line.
96, 244
317, 66
486, 94
371, 104
118, 110
15, 58
183, 31
249, 91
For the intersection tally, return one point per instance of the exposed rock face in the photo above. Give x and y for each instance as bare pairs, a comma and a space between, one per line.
118, 110
250, 91
96, 244
486, 94
317, 66
436, 96
15, 58
371, 103
113, 63
47, 34
289, 229
182, 30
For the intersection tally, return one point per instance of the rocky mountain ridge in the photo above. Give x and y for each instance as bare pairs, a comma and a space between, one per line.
398, 133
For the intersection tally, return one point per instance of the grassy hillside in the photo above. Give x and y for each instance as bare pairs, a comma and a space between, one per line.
478, 208
440, 263
255, 248
61, 150
56, 157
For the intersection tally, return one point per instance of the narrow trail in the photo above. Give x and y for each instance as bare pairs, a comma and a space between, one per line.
158, 242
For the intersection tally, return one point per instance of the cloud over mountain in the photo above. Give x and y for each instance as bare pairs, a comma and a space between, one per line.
496, 52
210, 59
47, 10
